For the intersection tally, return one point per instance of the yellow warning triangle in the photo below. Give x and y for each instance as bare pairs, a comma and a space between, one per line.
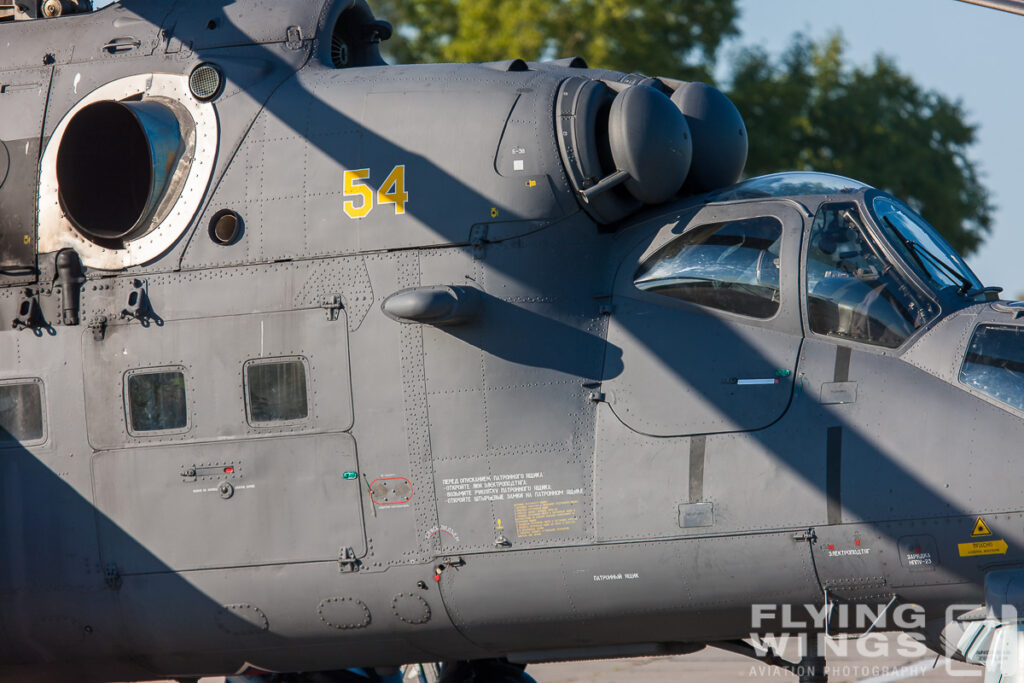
981, 529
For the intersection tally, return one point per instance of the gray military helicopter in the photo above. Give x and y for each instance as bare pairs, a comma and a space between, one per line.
315, 363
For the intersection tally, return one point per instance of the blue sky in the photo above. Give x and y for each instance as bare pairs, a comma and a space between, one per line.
963, 51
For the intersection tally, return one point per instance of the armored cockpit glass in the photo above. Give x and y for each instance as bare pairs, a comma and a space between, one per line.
931, 257
994, 364
852, 292
731, 266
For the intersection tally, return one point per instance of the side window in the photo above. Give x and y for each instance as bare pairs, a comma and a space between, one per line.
276, 391
732, 266
155, 399
995, 363
853, 293
21, 411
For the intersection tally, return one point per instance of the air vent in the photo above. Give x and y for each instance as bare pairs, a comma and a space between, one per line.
339, 49
355, 38
205, 82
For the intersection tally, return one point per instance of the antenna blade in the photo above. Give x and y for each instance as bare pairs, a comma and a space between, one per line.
1011, 6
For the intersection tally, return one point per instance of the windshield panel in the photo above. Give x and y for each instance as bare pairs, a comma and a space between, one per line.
852, 292
921, 246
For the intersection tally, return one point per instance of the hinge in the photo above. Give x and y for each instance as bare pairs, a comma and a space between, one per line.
477, 239
293, 38
347, 560
112, 576
332, 307
597, 397
806, 536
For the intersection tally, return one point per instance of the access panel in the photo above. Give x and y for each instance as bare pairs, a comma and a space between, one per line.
228, 504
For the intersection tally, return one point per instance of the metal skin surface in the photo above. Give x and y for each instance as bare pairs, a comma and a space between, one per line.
568, 468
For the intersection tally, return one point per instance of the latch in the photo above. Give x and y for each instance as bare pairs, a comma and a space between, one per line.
212, 471
347, 560
807, 536
98, 327
293, 38
477, 240
332, 307
112, 576
454, 564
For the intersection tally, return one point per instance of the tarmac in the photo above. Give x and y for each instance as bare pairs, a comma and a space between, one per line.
876, 661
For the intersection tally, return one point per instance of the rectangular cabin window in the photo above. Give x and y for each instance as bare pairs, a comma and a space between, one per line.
276, 390
995, 363
156, 401
21, 411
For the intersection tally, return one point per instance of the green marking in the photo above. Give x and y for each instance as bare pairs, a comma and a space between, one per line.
350, 475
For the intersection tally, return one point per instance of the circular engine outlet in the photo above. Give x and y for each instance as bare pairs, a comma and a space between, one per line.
125, 171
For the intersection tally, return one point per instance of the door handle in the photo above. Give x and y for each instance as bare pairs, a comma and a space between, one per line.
779, 376
122, 44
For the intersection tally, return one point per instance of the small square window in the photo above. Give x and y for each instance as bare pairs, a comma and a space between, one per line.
21, 411
276, 391
156, 401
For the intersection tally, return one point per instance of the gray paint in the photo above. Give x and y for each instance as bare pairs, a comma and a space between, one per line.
571, 430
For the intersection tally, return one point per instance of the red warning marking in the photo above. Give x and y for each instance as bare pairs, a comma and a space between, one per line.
435, 532
856, 542
391, 502
229, 470
831, 546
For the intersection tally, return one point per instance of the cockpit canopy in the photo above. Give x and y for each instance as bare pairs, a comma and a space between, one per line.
789, 184
875, 272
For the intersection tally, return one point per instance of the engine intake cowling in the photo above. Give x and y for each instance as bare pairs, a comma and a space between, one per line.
116, 163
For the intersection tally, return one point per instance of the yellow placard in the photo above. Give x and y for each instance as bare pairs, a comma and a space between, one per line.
982, 548
981, 529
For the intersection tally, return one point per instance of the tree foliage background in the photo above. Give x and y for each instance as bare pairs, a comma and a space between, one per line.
805, 109
678, 38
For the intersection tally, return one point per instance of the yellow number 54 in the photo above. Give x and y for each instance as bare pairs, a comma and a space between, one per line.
392, 191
